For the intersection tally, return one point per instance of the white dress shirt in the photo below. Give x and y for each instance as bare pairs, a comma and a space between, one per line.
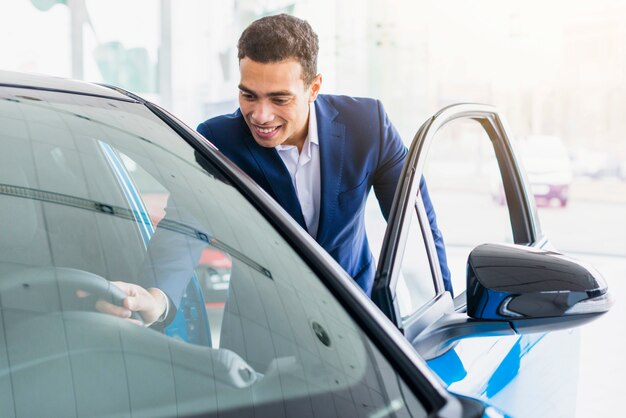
304, 168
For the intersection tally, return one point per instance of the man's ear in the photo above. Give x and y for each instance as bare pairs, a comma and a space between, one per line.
315, 87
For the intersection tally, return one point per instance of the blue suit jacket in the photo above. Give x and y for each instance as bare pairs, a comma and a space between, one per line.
359, 149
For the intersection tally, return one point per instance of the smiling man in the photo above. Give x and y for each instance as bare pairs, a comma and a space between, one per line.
317, 155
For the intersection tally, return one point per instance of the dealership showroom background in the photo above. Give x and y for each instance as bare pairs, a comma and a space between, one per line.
555, 70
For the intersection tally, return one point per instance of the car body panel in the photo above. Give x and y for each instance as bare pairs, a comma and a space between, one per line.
508, 371
44, 82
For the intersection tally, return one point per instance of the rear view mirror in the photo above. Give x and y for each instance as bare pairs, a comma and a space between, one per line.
518, 283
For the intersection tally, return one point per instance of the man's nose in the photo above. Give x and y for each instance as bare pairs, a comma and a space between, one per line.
262, 113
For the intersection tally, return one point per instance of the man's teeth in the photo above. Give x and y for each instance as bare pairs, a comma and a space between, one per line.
266, 130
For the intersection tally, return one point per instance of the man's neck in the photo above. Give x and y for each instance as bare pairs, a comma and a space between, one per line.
299, 138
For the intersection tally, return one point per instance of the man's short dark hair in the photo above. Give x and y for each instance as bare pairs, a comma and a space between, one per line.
278, 38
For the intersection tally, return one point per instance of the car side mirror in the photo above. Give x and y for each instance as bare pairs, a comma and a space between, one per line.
513, 289
520, 284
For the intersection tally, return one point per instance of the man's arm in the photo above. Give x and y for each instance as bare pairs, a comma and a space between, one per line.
167, 268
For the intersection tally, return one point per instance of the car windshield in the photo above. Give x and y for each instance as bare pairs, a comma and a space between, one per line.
95, 189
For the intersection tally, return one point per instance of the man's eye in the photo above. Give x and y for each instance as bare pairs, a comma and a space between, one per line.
247, 96
280, 100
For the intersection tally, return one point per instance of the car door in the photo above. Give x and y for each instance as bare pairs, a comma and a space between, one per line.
409, 284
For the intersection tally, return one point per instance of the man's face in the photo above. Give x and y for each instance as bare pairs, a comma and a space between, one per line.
275, 101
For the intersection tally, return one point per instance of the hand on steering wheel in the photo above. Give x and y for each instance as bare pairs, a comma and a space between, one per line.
134, 302
50, 289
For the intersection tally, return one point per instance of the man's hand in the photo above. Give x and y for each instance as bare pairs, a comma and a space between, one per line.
150, 303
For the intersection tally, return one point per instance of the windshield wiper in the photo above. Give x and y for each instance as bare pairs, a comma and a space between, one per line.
130, 215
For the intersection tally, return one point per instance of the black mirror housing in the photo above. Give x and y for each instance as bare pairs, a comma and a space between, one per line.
514, 282
514, 289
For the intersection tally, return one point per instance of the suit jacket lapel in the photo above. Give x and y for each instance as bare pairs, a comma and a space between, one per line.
278, 178
331, 141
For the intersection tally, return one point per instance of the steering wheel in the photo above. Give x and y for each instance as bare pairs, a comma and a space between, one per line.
53, 289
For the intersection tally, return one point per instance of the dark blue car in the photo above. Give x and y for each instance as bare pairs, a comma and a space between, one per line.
98, 185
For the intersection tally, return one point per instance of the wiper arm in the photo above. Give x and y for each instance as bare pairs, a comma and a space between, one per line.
131, 215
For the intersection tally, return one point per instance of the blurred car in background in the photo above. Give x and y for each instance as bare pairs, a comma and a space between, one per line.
548, 167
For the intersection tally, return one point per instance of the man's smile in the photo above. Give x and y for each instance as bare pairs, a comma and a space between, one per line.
266, 132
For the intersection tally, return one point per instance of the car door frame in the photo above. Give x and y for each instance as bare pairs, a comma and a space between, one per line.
520, 202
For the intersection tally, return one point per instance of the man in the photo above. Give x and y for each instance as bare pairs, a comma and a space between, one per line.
317, 155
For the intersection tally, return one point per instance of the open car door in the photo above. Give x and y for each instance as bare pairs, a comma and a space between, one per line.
506, 280
395, 268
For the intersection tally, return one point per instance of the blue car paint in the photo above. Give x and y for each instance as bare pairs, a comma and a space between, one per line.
544, 365
490, 303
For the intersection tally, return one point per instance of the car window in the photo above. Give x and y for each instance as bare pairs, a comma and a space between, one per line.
416, 285
94, 190
467, 192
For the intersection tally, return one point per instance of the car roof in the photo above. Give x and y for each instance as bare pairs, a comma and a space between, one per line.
46, 82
